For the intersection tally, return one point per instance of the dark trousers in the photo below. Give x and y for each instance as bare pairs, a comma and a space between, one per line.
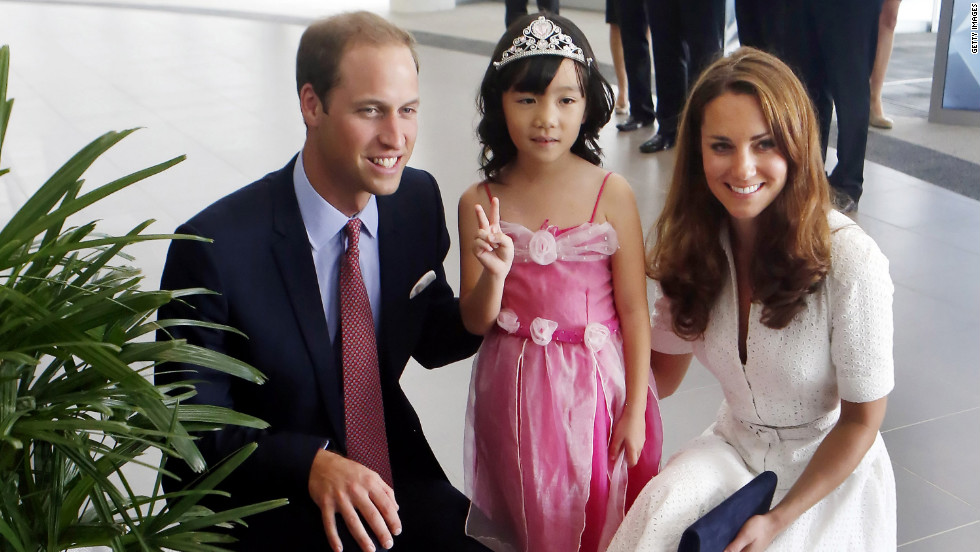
831, 45
761, 24
636, 57
514, 9
686, 35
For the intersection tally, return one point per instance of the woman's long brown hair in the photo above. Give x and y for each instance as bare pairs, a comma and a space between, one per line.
792, 254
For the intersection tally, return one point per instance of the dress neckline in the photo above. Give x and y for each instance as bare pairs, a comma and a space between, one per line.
558, 231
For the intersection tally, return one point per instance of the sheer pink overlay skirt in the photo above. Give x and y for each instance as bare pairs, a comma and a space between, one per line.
539, 421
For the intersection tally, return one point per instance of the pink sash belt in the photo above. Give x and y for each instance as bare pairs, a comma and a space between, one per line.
563, 335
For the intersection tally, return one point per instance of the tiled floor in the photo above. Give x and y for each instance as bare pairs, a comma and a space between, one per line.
212, 80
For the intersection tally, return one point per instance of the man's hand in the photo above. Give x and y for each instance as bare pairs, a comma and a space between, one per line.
342, 486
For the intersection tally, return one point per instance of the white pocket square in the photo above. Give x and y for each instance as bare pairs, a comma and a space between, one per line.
423, 283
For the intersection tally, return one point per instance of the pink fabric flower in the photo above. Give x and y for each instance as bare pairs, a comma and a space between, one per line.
542, 248
595, 336
542, 329
507, 320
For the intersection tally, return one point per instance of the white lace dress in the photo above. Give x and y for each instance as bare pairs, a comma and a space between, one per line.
780, 405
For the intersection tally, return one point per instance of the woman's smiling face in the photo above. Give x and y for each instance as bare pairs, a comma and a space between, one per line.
744, 168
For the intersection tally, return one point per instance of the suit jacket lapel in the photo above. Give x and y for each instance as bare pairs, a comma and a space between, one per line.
295, 262
392, 253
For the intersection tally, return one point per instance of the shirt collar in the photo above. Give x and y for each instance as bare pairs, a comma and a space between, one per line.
322, 220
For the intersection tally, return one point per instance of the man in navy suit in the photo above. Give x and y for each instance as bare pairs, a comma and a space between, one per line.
277, 247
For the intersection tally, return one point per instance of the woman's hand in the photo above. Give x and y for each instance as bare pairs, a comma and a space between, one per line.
628, 435
493, 248
755, 535
835, 459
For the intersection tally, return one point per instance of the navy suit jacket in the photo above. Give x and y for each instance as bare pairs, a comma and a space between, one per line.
261, 265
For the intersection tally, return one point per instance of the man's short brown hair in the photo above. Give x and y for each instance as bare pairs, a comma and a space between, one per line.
324, 42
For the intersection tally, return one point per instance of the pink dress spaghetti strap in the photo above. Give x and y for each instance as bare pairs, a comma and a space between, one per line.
547, 385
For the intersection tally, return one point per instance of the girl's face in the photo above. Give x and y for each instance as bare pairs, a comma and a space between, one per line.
744, 168
544, 126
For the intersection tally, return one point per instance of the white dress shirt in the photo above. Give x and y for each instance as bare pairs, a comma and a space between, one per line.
325, 229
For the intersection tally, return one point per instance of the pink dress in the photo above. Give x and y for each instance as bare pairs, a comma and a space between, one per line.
547, 384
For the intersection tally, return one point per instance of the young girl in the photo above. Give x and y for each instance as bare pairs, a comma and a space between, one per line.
563, 427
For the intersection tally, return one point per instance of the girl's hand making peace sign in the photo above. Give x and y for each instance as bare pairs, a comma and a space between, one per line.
493, 248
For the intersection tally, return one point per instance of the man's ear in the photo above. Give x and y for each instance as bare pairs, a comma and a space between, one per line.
310, 104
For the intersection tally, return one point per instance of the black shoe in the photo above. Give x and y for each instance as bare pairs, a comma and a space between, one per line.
659, 142
632, 124
846, 205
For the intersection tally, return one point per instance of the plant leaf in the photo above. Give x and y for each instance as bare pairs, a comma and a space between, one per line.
77, 405
8, 532
5, 105
176, 509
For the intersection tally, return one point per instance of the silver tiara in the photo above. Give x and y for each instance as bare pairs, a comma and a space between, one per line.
542, 38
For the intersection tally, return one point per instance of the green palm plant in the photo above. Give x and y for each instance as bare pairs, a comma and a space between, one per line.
77, 405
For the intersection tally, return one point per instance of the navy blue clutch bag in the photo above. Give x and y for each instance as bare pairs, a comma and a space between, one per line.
716, 529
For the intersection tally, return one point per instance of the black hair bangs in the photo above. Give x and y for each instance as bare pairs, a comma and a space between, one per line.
533, 74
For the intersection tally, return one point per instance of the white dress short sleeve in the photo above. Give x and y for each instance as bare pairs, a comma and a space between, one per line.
662, 336
861, 316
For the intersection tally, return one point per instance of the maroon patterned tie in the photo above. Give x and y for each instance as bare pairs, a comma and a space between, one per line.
367, 442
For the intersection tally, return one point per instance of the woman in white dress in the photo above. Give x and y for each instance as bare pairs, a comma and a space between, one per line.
789, 304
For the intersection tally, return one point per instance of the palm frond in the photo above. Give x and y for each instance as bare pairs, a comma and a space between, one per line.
77, 409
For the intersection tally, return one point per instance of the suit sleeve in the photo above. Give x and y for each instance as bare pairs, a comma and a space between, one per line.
281, 464
443, 339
